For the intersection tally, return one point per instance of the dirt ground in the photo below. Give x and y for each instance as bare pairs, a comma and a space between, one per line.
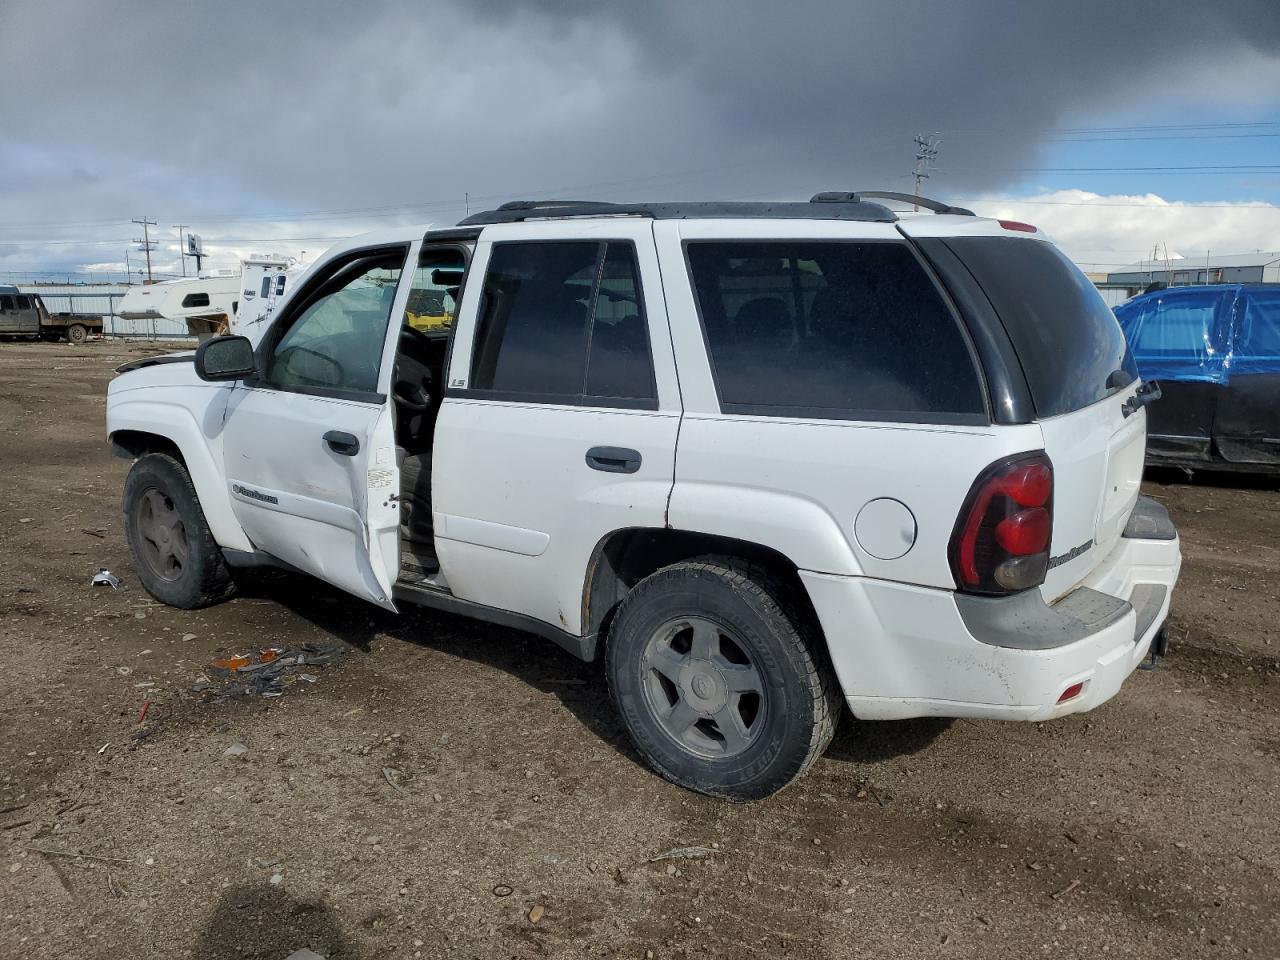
446, 778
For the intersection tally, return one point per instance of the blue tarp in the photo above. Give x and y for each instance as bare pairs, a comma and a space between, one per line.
1204, 334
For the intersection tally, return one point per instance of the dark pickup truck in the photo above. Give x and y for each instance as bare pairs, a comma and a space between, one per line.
25, 315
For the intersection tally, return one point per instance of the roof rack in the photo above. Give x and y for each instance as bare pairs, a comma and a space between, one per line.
520, 210
937, 206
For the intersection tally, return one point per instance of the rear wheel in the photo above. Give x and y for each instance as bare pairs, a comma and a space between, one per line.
174, 553
720, 679
77, 334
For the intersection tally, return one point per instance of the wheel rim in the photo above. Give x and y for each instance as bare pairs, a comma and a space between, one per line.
703, 688
162, 536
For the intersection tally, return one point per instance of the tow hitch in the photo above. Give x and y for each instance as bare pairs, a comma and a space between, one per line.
1159, 648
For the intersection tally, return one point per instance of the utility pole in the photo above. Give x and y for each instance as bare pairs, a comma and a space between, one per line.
146, 243
182, 251
927, 147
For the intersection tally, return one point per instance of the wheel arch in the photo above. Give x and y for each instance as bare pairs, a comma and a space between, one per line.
137, 429
625, 557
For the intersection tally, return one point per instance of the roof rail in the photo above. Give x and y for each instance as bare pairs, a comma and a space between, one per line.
519, 210
937, 206
541, 204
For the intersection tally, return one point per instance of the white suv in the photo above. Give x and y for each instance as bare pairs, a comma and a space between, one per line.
764, 459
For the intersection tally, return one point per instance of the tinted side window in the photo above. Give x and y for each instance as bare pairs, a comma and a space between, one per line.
6, 302
847, 330
531, 335
336, 342
563, 321
24, 302
619, 362
195, 300
1067, 339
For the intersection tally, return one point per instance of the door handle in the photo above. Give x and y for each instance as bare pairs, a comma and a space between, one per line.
339, 441
613, 459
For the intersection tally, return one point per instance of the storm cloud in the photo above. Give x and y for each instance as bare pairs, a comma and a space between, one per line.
350, 111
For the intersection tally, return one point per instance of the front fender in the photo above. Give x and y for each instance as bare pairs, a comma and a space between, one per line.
196, 430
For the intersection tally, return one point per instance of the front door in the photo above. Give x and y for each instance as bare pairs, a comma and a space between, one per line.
309, 444
559, 424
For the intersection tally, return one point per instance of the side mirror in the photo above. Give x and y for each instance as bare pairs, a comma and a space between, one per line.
225, 358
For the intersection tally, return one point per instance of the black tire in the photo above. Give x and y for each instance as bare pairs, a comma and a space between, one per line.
202, 577
752, 617
77, 334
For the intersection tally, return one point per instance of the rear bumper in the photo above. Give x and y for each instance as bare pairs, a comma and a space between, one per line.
905, 651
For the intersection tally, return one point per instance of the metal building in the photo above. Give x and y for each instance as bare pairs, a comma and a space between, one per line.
1237, 268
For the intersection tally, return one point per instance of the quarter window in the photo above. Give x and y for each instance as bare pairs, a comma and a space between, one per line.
195, 300
839, 330
336, 342
564, 322
6, 302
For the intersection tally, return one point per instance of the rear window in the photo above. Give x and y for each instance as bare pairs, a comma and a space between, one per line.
1067, 340
835, 330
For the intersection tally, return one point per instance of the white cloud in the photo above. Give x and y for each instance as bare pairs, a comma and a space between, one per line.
1105, 232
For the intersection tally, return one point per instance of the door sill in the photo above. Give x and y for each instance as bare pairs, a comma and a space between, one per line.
427, 594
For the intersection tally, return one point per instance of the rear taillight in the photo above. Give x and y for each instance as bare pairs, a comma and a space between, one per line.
1001, 539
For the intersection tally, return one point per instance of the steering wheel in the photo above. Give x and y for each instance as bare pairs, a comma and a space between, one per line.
413, 396
413, 392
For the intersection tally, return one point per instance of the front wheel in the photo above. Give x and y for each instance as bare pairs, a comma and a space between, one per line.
721, 680
174, 553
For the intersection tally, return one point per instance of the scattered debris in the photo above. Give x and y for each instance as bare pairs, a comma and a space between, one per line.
105, 578
265, 673
276, 879
536, 913
1067, 889
685, 853
304, 954
124, 671
98, 532
503, 890
114, 886
103, 748
235, 751
188, 636
72, 853
24, 519
266, 863
142, 714
391, 775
